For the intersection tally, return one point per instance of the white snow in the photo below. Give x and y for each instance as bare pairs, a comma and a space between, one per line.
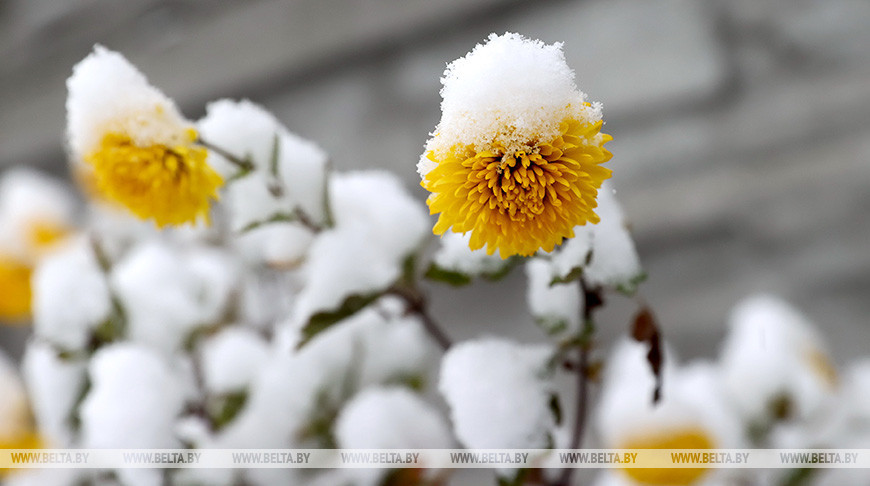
13, 407
107, 94
691, 399
391, 418
247, 131
555, 307
29, 200
54, 385
377, 225
134, 400
232, 358
509, 91
167, 291
70, 295
614, 260
772, 352
498, 394
454, 254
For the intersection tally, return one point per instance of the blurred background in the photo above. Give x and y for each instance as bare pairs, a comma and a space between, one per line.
741, 128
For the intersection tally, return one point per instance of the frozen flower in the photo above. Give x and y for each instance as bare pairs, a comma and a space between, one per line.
516, 157
36, 213
774, 363
130, 141
692, 413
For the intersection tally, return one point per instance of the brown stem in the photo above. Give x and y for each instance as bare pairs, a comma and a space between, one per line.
591, 301
418, 305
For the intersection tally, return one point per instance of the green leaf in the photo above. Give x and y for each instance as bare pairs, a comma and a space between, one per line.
629, 288
227, 407
322, 321
573, 275
505, 269
450, 277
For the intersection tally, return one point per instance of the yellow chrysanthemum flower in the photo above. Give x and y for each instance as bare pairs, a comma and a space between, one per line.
519, 202
171, 185
516, 158
131, 146
15, 295
679, 438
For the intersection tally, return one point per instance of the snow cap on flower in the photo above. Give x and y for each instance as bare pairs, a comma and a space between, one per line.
516, 159
774, 363
232, 358
131, 145
288, 171
498, 393
508, 91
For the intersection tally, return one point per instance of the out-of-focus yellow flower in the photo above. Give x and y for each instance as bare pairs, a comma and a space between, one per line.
35, 216
171, 185
676, 438
520, 202
131, 146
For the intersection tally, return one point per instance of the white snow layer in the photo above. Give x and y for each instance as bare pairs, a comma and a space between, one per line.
289, 171
498, 394
70, 295
167, 291
509, 91
455, 255
54, 385
134, 400
614, 260
555, 307
232, 358
377, 226
107, 94
772, 353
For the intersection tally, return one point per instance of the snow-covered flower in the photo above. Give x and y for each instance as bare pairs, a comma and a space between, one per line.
774, 363
692, 413
36, 213
129, 141
516, 157
54, 385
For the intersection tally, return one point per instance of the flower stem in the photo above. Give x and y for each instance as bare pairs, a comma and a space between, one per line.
243, 164
592, 300
418, 305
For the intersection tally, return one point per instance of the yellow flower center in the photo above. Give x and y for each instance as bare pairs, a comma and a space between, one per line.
171, 185
522, 201
15, 295
682, 438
